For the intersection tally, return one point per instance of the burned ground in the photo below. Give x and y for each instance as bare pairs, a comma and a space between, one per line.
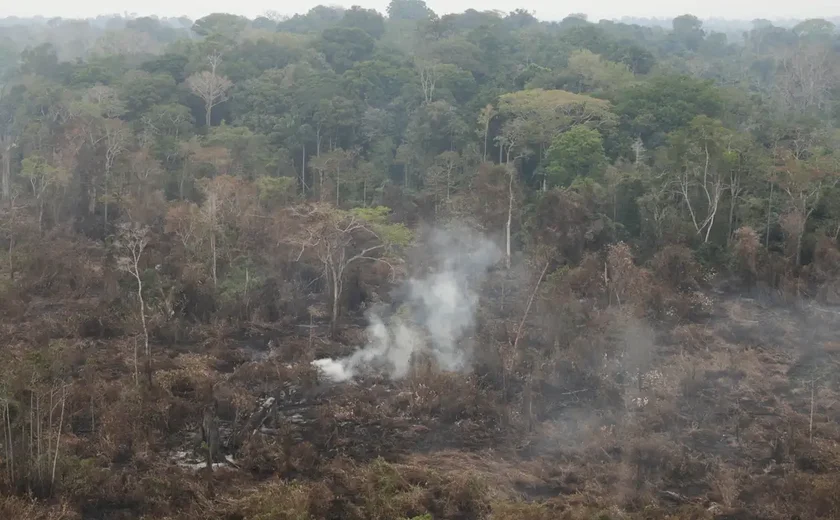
730, 416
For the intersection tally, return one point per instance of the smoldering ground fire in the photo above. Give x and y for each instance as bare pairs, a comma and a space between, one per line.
436, 314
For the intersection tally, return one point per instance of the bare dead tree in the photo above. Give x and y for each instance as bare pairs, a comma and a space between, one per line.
131, 242
116, 139
710, 183
805, 78
210, 87
58, 434
332, 234
429, 74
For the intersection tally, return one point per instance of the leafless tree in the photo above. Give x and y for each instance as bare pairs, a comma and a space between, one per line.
805, 78
116, 136
210, 87
131, 242
333, 234
429, 72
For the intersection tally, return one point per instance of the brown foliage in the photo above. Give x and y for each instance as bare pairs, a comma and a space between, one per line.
746, 248
676, 267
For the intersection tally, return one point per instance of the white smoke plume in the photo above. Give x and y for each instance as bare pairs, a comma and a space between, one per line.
438, 310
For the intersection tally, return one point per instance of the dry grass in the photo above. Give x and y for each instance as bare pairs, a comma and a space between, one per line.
601, 414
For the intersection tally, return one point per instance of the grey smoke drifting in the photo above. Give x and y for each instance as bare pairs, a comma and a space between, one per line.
438, 310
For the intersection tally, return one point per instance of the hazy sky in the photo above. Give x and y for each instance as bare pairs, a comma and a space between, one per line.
733, 9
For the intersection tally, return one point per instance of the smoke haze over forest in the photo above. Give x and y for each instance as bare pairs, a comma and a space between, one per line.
612, 9
420, 262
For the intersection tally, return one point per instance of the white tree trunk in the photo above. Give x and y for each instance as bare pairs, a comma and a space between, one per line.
147, 350
208, 111
336, 298
6, 168
509, 218
213, 251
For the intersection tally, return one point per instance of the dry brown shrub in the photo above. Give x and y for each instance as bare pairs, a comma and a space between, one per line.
826, 258
746, 248
628, 283
448, 395
826, 271
692, 338
587, 279
279, 500
133, 419
15, 508
793, 224
676, 267
386, 491
652, 458
811, 496
724, 481
522, 511
193, 373
259, 457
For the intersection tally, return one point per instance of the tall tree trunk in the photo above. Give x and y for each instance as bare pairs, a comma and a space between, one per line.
509, 217
303, 168
58, 435
486, 132
709, 228
208, 115
731, 219
448, 183
11, 258
182, 178
147, 349
213, 252
105, 208
7, 172
528, 307
799, 246
7, 428
336, 300
769, 211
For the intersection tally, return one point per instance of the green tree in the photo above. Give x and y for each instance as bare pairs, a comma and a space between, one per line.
412, 10
688, 31
815, 29
228, 25
367, 20
44, 179
578, 152
653, 109
344, 46
141, 90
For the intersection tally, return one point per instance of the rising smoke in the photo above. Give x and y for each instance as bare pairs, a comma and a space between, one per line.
437, 312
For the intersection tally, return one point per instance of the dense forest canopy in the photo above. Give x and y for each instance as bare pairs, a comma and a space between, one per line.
169, 187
